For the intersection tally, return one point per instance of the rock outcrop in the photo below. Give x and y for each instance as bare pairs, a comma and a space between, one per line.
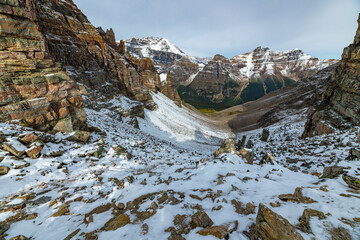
271, 226
34, 88
49, 50
341, 99
92, 55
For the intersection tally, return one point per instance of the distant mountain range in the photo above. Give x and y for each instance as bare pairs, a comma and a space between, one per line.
219, 82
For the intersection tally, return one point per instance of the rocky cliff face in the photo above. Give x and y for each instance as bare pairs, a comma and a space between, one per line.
39, 39
34, 88
92, 55
344, 91
341, 100
227, 82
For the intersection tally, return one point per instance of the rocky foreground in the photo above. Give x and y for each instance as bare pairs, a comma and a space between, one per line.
120, 182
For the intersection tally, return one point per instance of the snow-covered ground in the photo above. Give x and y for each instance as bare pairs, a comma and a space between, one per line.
169, 170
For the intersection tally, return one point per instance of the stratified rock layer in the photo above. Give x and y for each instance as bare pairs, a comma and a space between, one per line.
34, 88
341, 97
344, 91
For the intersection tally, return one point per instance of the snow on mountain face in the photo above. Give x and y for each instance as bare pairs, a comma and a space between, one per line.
261, 62
144, 47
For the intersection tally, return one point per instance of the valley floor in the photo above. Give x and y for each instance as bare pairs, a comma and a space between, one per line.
128, 183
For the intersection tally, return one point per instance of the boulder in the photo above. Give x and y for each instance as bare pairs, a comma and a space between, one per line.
220, 232
332, 172
227, 147
14, 147
64, 125
79, 136
265, 135
305, 219
248, 155
240, 209
29, 138
354, 154
271, 226
117, 222
352, 182
4, 170
201, 219
296, 197
34, 152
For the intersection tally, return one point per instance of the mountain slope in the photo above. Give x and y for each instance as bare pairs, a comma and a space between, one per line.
227, 82
220, 82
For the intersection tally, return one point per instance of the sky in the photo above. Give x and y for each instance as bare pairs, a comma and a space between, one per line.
321, 28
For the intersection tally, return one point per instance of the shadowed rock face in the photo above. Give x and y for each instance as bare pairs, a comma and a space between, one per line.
341, 97
344, 91
34, 88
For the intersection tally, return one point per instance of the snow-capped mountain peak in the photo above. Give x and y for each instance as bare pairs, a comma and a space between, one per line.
146, 46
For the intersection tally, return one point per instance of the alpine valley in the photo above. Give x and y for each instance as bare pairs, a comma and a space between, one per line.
103, 139
218, 82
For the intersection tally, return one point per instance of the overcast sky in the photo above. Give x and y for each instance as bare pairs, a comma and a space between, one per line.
203, 28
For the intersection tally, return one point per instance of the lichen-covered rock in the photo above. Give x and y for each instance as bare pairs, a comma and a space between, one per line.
271, 226
352, 182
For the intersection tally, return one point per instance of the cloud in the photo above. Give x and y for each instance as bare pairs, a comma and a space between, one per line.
231, 27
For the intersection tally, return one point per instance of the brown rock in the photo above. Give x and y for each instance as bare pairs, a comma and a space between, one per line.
248, 209
63, 210
221, 232
305, 219
201, 219
79, 136
4, 170
117, 222
227, 147
296, 197
248, 155
64, 125
20, 237
340, 233
15, 148
29, 138
34, 152
271, 226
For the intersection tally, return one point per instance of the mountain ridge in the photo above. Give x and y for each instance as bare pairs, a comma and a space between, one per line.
225, 82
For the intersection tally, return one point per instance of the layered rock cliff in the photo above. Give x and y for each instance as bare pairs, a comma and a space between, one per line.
92, 55
34, 88
47, 49
341, 100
